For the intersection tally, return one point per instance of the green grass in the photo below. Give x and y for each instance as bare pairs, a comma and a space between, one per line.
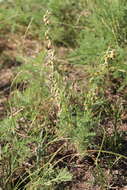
49, 111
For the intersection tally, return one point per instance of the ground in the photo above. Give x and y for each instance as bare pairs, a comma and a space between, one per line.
83, 168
